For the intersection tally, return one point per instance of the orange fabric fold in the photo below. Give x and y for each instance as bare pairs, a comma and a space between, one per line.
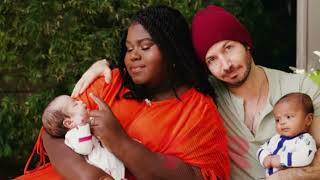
190, 128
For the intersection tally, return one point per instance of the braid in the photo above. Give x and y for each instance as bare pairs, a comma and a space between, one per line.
170, 31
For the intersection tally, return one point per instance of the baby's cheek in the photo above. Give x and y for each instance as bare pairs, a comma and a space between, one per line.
85, 120
80, 120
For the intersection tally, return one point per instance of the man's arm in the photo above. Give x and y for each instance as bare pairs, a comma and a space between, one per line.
309, 172
69, 164
99, 68
314, 130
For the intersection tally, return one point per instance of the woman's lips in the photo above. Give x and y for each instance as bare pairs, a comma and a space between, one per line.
136, 69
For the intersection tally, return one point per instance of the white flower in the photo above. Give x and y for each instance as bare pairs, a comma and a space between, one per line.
317, 53
297, 71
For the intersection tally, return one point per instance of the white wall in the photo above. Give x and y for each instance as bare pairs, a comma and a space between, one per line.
308, 33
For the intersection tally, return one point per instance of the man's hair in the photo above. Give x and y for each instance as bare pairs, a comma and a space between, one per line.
52, 119
170, 32
303, 99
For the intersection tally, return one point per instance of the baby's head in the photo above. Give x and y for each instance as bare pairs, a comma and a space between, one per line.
62, 114
293, 114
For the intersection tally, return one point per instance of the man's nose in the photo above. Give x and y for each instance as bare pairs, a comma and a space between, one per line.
226, 64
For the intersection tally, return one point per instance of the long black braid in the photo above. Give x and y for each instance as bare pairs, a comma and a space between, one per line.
170, 31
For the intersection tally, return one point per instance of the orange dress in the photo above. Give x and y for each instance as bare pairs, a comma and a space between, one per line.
190, 129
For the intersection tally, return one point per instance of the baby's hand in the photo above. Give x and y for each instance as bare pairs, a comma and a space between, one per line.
267, 161
275, 161
272, 161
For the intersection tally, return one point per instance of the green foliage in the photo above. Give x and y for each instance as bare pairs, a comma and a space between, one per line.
315, 76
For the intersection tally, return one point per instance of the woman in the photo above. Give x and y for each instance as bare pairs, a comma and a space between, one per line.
159, 120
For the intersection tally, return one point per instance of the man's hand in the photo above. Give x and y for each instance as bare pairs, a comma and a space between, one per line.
99, 68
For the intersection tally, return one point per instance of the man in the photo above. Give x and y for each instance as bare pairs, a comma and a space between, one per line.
245, 92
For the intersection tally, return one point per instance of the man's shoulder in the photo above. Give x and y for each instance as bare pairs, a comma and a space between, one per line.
281, 75
287, 82
219, 87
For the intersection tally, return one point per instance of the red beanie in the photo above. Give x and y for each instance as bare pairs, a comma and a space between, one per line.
214, 24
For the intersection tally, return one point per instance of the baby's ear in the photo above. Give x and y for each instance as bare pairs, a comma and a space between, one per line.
309, 119
68, 123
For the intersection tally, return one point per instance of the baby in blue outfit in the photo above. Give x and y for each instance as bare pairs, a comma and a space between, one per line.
292, 146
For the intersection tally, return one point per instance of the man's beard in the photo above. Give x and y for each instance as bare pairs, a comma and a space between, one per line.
244, 78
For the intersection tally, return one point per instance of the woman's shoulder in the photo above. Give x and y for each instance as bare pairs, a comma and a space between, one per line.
201, 98
199, 102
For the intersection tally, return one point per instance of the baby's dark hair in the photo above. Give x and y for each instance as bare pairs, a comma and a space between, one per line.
52, 119
170, 31
303, 99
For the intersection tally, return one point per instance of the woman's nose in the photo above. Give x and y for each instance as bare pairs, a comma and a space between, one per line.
134, 56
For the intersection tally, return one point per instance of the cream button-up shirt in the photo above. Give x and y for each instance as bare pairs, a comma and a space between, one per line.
243, 145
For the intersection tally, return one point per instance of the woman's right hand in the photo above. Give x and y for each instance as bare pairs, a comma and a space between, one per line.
99, 68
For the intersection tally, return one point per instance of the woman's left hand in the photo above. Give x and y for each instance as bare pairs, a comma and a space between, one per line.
104, 124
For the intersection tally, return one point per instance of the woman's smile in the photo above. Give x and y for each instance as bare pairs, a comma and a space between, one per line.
137, 69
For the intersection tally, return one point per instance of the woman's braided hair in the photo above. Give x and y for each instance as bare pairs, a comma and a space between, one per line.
170, 31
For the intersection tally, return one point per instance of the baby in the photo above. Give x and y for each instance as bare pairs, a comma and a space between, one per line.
66, 117
292, 146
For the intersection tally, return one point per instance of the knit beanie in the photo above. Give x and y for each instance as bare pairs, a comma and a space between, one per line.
214, 24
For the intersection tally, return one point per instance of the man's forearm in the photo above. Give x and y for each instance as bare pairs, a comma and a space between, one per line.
311, 172
305, 173
69, 164
145, 164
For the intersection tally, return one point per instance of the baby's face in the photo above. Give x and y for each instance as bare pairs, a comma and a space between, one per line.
76, 110
290, 118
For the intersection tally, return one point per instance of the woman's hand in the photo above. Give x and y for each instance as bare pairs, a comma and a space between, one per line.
99, 68
105, 126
